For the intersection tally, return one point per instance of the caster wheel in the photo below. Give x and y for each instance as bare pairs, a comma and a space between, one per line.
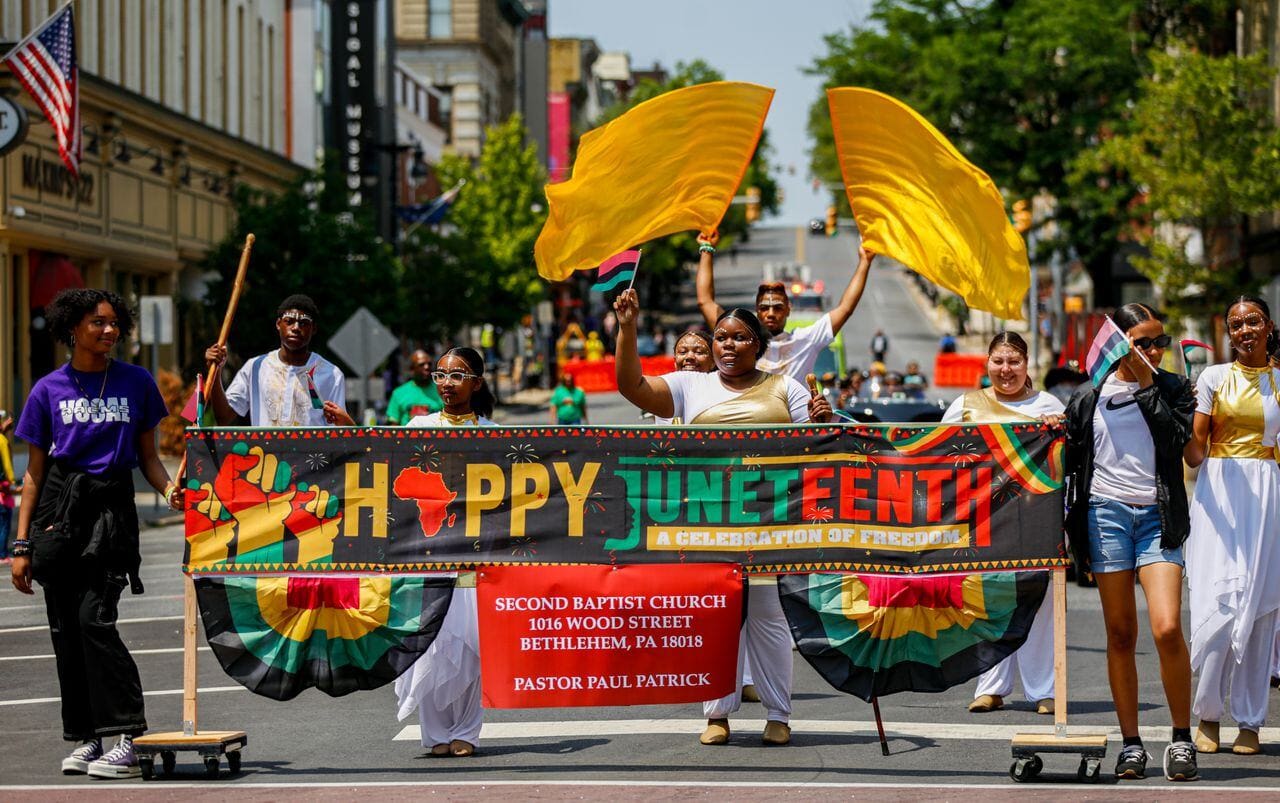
211, 767
1090, 770
233, 761
168, 760
1025, 769
147, 766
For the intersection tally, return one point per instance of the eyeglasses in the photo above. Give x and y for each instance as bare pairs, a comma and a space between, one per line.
290, 319
454, 377
741, 338
1251, 321
1161, 342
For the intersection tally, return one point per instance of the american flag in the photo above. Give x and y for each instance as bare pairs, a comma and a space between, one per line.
45, 63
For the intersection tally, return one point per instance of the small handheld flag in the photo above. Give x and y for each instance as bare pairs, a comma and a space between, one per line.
1108, 346
617, 269
317, 403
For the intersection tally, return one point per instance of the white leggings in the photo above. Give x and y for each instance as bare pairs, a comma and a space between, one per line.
766, 638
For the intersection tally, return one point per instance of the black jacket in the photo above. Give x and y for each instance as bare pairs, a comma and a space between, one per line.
1168, 406
85, 523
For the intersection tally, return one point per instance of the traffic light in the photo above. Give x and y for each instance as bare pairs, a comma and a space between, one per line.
831, 221
1021, 217
753, 204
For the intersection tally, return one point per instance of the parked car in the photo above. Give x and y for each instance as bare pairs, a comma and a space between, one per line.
898, 410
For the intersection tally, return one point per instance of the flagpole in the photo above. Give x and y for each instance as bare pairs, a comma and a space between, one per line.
639, 256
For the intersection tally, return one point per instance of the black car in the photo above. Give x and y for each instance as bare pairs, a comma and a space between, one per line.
894, 411
817, 226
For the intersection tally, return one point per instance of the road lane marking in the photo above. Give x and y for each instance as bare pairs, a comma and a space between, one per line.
156, 693
140, 620
902, 730
47, 656
1109, 791
41, 607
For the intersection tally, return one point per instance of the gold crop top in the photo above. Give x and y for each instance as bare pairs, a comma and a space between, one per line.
1237, 421
982, 407
763, 403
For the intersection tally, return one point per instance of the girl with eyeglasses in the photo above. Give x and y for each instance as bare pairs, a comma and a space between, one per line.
737, 392
1233, 555
1127, 519
444, 684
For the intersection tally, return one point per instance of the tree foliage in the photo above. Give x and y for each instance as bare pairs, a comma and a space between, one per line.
307, 240
1202, 145
479, 267
1022, 87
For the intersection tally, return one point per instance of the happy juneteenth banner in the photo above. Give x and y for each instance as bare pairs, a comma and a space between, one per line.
899, 500
319, 554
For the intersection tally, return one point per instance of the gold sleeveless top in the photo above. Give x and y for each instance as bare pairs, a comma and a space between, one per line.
982, 407
763, 403
1237, 421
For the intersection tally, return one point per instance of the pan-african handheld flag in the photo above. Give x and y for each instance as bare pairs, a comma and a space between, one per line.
871, 635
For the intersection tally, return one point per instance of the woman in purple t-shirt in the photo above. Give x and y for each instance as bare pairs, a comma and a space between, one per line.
89, 424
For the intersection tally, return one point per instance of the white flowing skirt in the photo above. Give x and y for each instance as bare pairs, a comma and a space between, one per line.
1233, 554
448, 673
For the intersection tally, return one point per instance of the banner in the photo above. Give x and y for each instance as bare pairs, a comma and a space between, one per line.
866, 498
872, 636
278, 636
608, 635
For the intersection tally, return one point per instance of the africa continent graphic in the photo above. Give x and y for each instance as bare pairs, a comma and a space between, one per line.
427, 488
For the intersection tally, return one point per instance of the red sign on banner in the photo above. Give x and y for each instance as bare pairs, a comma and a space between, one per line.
558, 636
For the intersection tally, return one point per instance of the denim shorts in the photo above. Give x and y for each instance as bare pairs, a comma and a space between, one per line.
1124, 537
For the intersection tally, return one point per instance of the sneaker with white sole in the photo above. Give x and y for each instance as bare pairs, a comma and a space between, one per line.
85, 753
1180, 762
1132, 762
119, 762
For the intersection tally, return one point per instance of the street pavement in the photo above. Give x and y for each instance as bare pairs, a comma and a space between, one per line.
321, 747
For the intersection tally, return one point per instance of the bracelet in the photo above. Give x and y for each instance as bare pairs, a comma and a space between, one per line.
707, 248
21, 549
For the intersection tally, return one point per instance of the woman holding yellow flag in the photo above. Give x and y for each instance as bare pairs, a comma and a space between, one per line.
737, 392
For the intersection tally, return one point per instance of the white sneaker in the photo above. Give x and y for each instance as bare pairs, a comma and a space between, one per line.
78, 762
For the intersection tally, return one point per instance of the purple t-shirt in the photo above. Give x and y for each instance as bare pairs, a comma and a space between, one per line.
68, 420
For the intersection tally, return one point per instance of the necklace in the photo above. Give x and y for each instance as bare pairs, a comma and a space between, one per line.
462, 420
94, 404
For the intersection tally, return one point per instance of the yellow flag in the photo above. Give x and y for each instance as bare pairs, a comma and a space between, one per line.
919, 201
670, 164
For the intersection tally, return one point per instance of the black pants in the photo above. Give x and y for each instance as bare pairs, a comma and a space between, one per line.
101, 690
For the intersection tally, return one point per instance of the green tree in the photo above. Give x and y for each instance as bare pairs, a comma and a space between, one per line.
307, 240
1202, 143
1022, 87
479, 268
664, 259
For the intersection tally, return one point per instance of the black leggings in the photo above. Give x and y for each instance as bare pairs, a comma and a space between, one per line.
101, 690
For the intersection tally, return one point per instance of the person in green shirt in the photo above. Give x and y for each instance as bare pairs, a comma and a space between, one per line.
418, 396
568, 403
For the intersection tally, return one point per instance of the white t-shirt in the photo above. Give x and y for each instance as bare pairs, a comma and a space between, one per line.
794, 353
1040, 404
274, 394
693, 392
437, 420
1124, 456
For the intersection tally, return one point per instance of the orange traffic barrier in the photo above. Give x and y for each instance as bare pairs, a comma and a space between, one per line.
958, 370
600, 376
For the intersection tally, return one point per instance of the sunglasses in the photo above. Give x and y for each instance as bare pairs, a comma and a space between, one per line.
1161, 342
455, 377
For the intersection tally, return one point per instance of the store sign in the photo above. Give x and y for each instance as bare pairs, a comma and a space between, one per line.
355, 104
13, 124
53, 178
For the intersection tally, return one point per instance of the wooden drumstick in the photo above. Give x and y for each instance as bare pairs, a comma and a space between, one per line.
812, 382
